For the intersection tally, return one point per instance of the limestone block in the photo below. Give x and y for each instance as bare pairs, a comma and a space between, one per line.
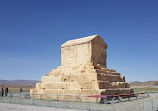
67, 98
78, 98
51, 79
74, 86
47, 85
67, 71
101, 77
87, 92
70, 78
114, 78
90, 71
65, 85
33, 91
86, 99
36, 91
70, 92
101, 71
78, 77
88, 77
88, 85
50, 96
119, 85
87, 69
54, 73
104, 85
38, 85
58, 85
115, 73
52, 92
84, 78
109, 77
65, 78
99, 66
109, 70
69, 54
117, 91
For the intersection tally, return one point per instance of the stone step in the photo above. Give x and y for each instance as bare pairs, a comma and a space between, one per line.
112, 91
111, 74
59, 85
107, 85
65, 92
84, 77
110, 78
50, 79
81, 85
67, 85
110, 70
77, 95
106, 72
115, 73
70, 78
74, 92
73, 71
116, 91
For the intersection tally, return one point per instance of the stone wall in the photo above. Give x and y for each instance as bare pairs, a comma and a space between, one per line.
76, 54
99, 51
92, 51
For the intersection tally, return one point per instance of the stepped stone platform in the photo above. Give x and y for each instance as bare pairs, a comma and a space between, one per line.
83, 72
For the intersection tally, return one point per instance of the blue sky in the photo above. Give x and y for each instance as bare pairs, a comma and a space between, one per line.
31, 32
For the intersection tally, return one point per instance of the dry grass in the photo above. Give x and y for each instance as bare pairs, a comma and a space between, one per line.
148, 89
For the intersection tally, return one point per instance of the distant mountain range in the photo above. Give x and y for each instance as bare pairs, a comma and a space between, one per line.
33, 83
18, 82
147, 83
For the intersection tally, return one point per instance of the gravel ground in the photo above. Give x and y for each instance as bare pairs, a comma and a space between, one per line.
18, 107
142, 104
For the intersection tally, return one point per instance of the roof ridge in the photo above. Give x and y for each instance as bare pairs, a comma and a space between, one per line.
79, 40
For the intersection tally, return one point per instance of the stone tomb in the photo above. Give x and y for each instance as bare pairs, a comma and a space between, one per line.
83, 72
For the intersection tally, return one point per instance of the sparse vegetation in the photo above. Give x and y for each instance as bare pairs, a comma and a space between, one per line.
146, 89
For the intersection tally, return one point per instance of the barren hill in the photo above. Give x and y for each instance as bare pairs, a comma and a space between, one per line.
18, 82
147, 83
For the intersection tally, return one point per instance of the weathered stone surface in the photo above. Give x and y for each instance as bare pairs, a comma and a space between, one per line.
90, 49
82, 72
116, 91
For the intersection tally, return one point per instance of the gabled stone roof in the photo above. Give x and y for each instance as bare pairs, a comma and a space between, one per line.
79, 41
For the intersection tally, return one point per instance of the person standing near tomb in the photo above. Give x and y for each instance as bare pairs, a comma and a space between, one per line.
2, 92
20, 90
6, 91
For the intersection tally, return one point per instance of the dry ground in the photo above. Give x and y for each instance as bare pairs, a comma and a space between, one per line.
144, 104
18, 107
